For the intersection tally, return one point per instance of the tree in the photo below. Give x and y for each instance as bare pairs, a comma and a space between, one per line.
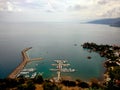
95, 84
38, 79
21, 79
50, 86
116, 72
69, 83
83, 85
114, 75
28, 86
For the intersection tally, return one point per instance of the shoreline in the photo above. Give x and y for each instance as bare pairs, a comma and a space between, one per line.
112, 55
25, 60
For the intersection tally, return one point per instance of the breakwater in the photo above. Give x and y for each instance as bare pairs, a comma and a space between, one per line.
25, 60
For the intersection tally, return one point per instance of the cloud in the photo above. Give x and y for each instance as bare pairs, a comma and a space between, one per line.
62, 9
102, 2
49, 11
76, 7
114, 12
8, 6
108, 8
17, 5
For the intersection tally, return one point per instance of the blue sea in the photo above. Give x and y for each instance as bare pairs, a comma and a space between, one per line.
53, 41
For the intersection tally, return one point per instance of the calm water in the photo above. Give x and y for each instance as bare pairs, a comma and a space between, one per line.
55, 41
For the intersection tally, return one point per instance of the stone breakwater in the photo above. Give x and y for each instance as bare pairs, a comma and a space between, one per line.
25, 60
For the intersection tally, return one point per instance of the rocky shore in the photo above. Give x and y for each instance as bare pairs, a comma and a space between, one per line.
110, 52
112, 62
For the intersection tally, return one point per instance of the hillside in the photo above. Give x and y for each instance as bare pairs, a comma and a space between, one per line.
112, 22
117, 24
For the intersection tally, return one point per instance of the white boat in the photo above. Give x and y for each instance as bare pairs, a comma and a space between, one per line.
27, 76
23, 73
67, 70
33, 75
54, 69
40, 73
60, 61
28, 70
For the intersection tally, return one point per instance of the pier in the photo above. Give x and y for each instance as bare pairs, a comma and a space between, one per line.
59, 68
25, 60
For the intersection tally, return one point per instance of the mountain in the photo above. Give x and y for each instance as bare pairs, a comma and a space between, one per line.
117, 24
112, 22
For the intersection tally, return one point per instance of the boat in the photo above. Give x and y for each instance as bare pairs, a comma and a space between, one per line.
54, 69
40, 73
24, 73
27, 76
60, 61
67, 70
28, 70
33, 75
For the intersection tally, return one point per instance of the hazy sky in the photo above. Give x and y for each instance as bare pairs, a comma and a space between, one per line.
58, 10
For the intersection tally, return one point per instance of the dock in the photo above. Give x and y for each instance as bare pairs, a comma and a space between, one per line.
25, 60
59, 68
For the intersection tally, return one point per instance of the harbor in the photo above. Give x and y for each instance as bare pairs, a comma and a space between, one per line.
25, 60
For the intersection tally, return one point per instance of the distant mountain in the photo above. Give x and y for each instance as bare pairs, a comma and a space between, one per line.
112, 22
117, 24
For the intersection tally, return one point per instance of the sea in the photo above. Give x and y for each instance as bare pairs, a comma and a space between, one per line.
55, 41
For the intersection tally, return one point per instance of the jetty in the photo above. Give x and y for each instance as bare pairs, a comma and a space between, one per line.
59, 68
25, 60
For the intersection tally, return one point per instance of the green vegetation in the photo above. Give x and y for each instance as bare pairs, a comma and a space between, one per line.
69, 83
114, 83
112, 64
20, 83
29, 85
38, 79
50, 86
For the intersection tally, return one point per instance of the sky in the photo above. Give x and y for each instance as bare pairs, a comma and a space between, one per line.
58, 10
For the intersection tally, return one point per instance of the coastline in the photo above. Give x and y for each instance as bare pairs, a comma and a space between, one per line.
112, 55
67, 82
25, 60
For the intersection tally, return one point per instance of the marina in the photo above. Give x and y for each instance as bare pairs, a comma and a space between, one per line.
59, 68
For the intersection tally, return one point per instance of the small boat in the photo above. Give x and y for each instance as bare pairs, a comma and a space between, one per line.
40, 73
68, 70
27, 76
54, 69
33, 75
23, 73
28, 70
